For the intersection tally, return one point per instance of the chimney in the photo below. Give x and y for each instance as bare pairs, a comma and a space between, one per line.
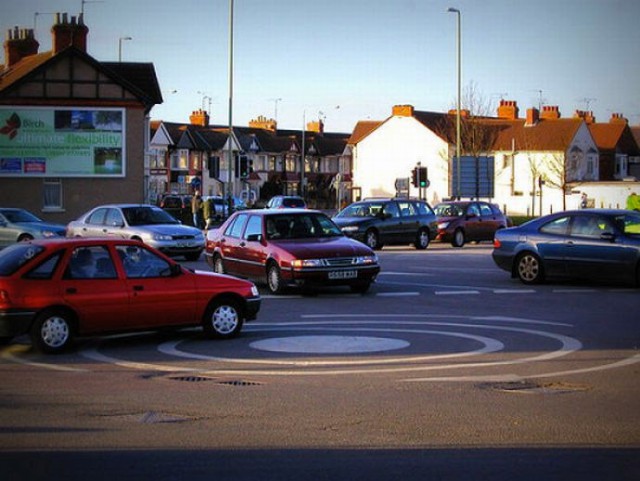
550, 112
402, 110
585, 115
199, 117
263, 123
65, 33
20, 43
316, 126
617, 118
508, 110
464, 113
533, 115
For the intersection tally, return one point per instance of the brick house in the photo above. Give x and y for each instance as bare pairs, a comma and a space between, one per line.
76, 129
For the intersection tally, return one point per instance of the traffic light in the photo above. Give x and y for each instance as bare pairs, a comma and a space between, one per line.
414, 177
422, 177
244, 167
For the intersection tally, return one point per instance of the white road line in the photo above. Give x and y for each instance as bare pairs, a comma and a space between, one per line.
573, 291
514, 291
455, 293
8, 354
397, 294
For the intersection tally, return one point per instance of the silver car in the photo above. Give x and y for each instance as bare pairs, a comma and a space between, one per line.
17, 225
146, 223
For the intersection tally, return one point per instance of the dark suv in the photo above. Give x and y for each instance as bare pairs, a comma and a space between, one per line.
178, 206
465, 221
377, 222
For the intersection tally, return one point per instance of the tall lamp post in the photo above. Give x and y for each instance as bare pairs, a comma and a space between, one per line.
457, 12
230, 146
303, 152
120, 40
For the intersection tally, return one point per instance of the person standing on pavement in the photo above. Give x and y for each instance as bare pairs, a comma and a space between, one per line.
196, 209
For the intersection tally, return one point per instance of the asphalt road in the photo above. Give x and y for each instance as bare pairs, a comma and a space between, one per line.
447, 369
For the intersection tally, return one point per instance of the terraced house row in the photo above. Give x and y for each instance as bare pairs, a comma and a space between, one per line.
76, 132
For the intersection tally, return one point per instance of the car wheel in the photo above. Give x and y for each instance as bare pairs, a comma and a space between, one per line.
25, 238
422, 239
192, 257
274, 279
5, 340
218, 265
223, 319
529, 268
458, 238
52, 331
362, 288
372, 239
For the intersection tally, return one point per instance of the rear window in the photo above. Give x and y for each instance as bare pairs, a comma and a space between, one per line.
17, 255
293, 202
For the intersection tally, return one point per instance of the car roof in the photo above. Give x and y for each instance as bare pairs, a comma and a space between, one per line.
294, 210
83, 241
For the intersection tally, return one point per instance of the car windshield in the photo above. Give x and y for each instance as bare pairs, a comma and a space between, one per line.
17, 216
300, 226
16, 255
448, 210
143, 215
369, 209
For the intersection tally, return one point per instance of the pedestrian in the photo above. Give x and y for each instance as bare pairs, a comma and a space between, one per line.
196, 209
583, 201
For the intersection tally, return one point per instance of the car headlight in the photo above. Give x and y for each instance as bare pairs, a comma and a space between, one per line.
366, 260
254, 291
48, 233
350, 228
443, 225
161, 237
300, 263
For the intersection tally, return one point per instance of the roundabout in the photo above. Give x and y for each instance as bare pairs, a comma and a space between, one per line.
400, 345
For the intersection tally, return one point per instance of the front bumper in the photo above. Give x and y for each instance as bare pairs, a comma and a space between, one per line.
252, 307
330, 277
15, 322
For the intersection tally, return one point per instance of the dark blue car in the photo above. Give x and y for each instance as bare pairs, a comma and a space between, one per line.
596, 244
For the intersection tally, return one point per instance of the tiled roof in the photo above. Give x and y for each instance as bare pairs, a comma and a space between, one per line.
362, 129
616, 135
139, 78
545, 135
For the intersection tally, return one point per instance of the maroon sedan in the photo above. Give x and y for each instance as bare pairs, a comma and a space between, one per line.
460, 222
292, 247
55, 290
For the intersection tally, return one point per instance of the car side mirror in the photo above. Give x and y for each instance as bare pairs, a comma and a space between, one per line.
118, 223
175, 270
254, 237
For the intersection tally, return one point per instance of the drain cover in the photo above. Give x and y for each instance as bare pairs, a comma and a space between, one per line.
532, 387
239, 383
191, 378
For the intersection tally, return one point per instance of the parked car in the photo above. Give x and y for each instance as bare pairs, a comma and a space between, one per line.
218, 208
286, 202
58, 289
597, 244
178, 206
378, 222
146, 223
292, 247
17, 225
460, 222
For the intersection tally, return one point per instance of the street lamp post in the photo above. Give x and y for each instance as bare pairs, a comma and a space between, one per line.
302, 153
120, 46
230, 146
459, 50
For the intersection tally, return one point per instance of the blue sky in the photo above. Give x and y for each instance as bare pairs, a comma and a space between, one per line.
354, 59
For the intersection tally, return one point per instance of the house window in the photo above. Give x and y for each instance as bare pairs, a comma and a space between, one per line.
180, 160
52, 194
214, 167
621, 166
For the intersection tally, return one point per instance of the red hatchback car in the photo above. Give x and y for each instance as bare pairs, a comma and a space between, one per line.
460, 222
290, 247
58, 289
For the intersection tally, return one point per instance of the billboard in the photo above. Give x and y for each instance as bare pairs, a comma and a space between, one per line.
62, 142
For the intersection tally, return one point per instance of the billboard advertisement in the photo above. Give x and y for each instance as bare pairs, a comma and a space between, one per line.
62, 142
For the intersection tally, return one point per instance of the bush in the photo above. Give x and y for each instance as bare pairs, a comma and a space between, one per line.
520, 219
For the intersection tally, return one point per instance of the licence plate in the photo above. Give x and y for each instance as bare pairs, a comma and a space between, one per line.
343, 274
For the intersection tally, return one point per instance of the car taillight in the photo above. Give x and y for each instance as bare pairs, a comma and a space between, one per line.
496, 244
4, 297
